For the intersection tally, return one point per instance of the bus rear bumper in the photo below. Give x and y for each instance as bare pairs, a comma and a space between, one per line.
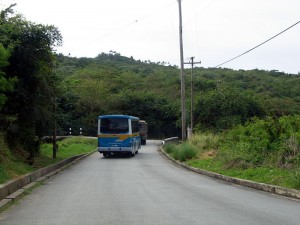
114, 149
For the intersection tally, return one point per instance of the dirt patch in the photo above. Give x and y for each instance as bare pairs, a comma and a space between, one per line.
208, 154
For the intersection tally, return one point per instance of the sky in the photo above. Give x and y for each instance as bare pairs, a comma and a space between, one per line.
214, 31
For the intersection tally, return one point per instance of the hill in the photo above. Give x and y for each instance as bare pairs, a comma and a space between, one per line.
111, 83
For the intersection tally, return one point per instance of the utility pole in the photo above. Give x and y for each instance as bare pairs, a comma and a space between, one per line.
192, 92
54, 144
183, 115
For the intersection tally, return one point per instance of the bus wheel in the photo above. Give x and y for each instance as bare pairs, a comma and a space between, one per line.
106, 154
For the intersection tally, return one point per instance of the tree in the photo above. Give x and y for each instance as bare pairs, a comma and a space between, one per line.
160, 114
5, 84
31, 62
226, 108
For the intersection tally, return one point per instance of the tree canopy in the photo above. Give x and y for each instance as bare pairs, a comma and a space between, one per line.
111, 83
29, 61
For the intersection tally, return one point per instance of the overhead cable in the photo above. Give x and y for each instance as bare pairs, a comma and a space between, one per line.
258, 45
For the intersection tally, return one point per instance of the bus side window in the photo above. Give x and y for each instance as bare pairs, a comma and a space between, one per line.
135, 126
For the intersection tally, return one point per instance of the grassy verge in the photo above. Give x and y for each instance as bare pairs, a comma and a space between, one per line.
66, 148
275, 176
265, 151
209, 160
14, 165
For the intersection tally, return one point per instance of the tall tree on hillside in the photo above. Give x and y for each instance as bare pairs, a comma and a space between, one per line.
5, 84
225, 108
31, 62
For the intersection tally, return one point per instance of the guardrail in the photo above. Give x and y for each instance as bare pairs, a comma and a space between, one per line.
170, 140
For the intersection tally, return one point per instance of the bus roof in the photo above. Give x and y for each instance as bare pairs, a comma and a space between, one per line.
118, 116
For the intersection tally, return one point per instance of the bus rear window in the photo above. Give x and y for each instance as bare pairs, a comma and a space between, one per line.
114, 125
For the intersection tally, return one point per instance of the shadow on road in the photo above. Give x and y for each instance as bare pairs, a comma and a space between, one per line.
117, 156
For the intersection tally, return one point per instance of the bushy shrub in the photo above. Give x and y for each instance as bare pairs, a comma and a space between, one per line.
169, 148
226, 108
295, 179
205, 141
262, 142
185, 152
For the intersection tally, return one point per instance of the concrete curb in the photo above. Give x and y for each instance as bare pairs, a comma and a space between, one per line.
282, 191
14, 189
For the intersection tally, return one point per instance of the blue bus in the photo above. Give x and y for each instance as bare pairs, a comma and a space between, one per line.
118, 134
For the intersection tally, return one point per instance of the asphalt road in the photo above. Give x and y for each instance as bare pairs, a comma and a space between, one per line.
148, 190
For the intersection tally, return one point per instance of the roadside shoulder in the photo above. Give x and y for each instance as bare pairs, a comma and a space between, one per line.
282, 191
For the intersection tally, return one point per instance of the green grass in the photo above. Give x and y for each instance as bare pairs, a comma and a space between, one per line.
185, 152
275, 176
11, 165
66, 148
14, 165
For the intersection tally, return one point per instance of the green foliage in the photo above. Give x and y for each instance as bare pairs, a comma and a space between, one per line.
263, 150
181, 152
6, 85
205, 141
157, 111
263, 142
226, 108
111, 83
69, 147
169, 148
80, 89
295, 179
31, 63
276, 91
12, 164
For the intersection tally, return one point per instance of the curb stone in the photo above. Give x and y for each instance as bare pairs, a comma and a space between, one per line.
282, 191
20, 189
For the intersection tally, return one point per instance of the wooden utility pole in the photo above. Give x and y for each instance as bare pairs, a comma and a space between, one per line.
183, 114
192, 91
54, 144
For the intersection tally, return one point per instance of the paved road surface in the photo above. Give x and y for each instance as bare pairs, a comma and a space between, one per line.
145, 190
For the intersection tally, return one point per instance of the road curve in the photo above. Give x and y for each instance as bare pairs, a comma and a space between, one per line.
148, 190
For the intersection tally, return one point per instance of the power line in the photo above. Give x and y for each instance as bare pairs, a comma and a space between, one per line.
133, 22
258, 45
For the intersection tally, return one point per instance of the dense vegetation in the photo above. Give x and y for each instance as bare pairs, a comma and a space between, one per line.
265, 150
224, 98
41, 90
12, 165
28, 83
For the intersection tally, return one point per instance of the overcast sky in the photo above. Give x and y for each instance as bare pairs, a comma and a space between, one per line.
214, 31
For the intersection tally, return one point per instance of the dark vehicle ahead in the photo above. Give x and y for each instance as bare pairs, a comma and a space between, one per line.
143, 131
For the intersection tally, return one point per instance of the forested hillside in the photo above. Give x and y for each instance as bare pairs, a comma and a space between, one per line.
111, 83
39, 88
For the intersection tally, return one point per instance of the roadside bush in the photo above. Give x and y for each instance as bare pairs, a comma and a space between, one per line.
205, 141
295, 179
225, 108
185, 152
169, 148
263, 142
182, 152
